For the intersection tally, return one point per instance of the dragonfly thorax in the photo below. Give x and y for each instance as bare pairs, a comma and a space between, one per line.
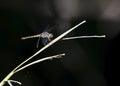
46, 35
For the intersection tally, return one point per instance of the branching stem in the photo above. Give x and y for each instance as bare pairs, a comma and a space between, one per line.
39, 51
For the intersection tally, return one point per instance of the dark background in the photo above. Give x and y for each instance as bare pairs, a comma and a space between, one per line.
88, 62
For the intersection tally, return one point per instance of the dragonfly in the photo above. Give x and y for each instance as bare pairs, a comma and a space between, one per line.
45, 37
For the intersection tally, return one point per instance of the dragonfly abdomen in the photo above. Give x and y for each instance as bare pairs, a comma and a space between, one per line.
29, 37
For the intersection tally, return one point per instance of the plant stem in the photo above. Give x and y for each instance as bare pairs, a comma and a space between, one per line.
40, 60
39, 51
81, 37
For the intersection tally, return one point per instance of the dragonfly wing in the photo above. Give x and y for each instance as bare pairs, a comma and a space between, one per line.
47, 29
37, 44
45, 41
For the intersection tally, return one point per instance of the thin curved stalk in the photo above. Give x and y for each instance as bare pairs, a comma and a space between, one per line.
39, 51
40, 60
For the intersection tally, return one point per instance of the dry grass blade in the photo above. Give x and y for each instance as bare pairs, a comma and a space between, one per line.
40, 60
80, 37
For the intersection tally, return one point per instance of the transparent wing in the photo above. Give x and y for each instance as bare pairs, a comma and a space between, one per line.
37, 44
45, 41
48, 29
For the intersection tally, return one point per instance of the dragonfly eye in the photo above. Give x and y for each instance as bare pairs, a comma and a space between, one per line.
51, 35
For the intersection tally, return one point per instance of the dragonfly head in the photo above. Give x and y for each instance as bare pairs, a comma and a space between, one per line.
50, 35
